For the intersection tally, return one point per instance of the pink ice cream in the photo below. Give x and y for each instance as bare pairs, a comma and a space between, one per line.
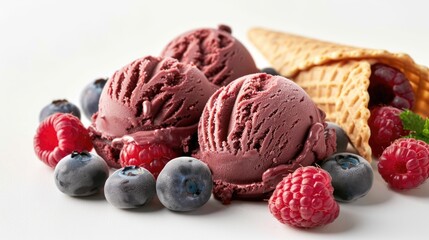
151, 100
255, 131
220, 56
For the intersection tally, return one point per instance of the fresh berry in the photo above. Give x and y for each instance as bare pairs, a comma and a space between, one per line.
59, 106
81, 174
130, 187
59, 135
342, 138
389, 86
351, 175
90, 97
184, 184
405, 163
386, 126
304, 199
270, 70
153, 156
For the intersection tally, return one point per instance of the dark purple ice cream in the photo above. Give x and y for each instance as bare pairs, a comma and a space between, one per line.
220, 56
257, 130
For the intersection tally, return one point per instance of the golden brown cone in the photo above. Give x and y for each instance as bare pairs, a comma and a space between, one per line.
337, 77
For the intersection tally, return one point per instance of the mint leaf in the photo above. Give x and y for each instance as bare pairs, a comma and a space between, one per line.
418, 127
412, 122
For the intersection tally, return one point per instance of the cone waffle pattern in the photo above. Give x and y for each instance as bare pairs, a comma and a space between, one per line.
337, 77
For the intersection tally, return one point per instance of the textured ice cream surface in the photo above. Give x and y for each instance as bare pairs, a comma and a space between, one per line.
255, 131
220, 56
150, 100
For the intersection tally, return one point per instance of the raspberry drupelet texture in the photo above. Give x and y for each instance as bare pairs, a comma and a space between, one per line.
405, 163
389, 86
59, 135
152, 157
305, 199
386, 126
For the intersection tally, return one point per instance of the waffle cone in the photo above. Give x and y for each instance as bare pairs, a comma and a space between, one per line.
337, 77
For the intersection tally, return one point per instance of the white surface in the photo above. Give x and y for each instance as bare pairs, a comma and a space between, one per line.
52, 49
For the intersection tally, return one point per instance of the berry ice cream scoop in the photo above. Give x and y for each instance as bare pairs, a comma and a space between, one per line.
151, 100
220, 56
257, 130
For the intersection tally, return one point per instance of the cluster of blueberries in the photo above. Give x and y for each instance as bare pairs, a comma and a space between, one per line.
184, 184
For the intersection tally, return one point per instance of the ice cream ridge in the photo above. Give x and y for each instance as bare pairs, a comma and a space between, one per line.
220, 56
347, 82
150, 100
257, 130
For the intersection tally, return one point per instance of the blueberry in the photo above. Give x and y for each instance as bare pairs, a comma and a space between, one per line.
270, 70
184, 184
351, 174
342, 138
60, 105
130, 187
81, 174
90, 97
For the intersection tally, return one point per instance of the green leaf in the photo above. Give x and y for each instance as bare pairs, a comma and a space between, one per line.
418, 127
412, 121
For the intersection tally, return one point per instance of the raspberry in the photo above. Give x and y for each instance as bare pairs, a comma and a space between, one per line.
152, 157
305, 199
58, 136
389, 86
386, 127
405, 163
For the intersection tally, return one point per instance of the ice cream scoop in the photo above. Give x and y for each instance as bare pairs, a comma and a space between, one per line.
150, 100
257, 130
220, 56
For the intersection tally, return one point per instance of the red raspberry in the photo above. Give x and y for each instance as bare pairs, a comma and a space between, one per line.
59, 135
389, 86
386, 127
405, 163
305, 199
153, 156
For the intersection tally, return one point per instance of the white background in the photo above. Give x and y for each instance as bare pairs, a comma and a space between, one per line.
52, 49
